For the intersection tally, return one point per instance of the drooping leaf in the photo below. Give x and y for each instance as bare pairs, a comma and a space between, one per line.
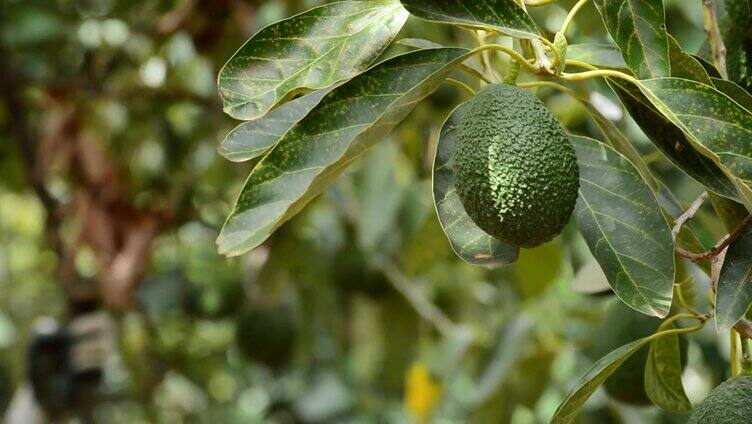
600, 55
310, 51
468, 241
639, 29
345, 123
621, 221
252, 139
670, 140
719, 127
598, 373
663, 372
683, 65
505, 16
735, 283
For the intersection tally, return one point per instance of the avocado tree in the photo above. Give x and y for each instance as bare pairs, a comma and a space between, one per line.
319, 89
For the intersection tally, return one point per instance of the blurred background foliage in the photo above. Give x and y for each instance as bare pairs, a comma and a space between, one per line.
112, 193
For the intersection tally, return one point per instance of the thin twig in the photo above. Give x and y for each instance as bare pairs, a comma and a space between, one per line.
571, 15
744, 328
427, 310
710, 17
720, 246
461, 85
688, 214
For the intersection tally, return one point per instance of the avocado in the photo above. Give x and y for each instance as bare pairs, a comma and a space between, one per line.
267, 333
622, 325
728, 403
517, 174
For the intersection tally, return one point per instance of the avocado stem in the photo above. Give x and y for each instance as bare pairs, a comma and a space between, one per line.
571, 15
509, 51
460, 84
734, 353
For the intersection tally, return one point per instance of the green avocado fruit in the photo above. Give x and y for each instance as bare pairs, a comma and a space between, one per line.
729, 403
517, 174
267, 333
623, 325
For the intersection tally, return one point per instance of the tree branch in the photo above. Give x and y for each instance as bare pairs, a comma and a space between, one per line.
688, 214
710, 17
719, 247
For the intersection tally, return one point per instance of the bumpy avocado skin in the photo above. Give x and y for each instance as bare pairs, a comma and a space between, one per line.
517, 174
728, 403
622, 325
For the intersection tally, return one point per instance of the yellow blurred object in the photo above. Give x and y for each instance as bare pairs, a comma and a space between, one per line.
422, 393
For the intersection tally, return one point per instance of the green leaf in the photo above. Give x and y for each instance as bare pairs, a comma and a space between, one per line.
663, 372
598, 373
617, 140
418, 43
252, 139
346, 122
621, 221
670, 140
639, 29
600, 55
735, 283
468, 241
709, 68
505, 16
683, 65
734, 91
306, 52
719, 127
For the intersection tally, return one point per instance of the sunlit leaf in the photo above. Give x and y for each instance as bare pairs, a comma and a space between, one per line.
735, 283
600, 371
639, 29
717, 125
467, 240
346, 122
621, 221
254, 138
670, 140
309, 51
601, 55
663, 372
505, 16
